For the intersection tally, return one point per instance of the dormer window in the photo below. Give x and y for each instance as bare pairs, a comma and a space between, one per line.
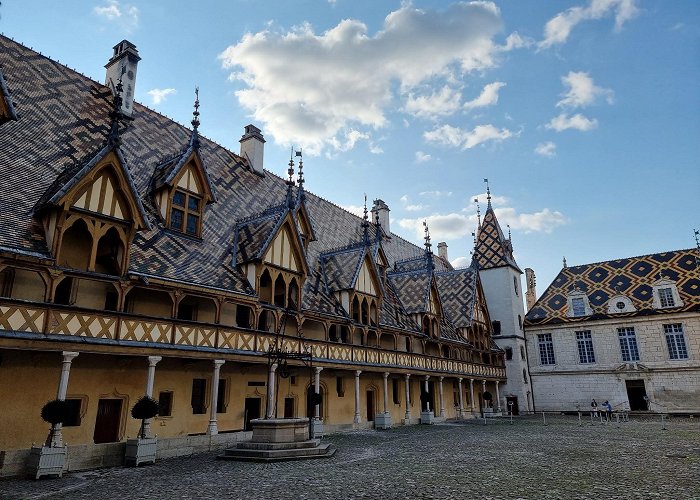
620, 304
666, 294
186, 213
578, 304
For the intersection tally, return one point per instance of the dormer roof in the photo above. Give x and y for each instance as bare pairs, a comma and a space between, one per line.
7, 108
167, 171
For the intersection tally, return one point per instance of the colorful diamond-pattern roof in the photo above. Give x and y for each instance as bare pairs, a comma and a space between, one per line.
492, 248
633, 277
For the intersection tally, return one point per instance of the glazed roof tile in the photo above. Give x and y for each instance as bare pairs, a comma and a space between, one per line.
632, 277
492, 248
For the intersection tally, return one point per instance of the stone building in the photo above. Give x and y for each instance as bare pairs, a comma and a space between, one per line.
138, 257
625, 330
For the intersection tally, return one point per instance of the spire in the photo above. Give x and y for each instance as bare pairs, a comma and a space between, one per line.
488, 193
116, 115
365, 224
564, 262
428, 250
510, 238
300, 175
697, 245
478, 212
290, 181
194, 139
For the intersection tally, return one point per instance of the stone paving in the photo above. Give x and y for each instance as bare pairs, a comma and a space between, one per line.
466, 460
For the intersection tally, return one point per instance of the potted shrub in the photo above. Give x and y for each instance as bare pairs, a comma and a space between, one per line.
143, 448
50, 459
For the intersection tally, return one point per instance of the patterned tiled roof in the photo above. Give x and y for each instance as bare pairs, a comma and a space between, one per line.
7, 100
632, 277
492, 248
457, 294
64, 122
340, 268
167, 171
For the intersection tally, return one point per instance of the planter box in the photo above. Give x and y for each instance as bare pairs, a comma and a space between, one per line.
382, 421
46, 461
139, 451
427, 417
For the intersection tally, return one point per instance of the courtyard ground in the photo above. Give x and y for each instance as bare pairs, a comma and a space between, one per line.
454, 460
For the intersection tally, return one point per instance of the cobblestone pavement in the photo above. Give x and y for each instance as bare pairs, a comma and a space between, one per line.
466, 460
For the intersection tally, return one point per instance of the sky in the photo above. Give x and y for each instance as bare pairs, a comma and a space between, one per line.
583, 114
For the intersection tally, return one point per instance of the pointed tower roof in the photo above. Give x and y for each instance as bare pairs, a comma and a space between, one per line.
493, 249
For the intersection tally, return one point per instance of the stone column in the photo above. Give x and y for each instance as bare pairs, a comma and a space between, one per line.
357, 418
407, 417
68, 357
461, 399
317, 389
498, 397
471, 393
442, 400
386, 392
427, 401
152, 362
213, 429
270, 412
483, 390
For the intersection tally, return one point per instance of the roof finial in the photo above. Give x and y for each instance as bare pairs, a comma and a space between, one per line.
290, 181
478, 212
697, 245
194, 140
509, 235
365, 224
116, 114
428, 250
564, 261
300, 175
488, 193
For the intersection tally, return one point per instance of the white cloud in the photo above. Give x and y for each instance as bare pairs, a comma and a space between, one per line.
558, 28
375, 150
436, 194
127, 16
442, 102
355, 209
488, 96
577, 121
449, 226
543, 221
307, 88
548, 149
351, 138
496, 201
467, 139
422, 157
160, 95
582, 91
461, 262
408, 206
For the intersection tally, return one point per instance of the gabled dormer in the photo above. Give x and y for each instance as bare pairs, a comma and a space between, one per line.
182, 188
269, 251
306, 230
91, 213
432, 317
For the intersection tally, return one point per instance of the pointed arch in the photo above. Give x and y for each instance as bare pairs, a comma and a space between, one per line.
110, 255
293, 295
76, 246
265, 287
280, 291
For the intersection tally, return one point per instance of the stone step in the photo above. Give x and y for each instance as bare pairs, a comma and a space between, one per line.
252, 445
326, 450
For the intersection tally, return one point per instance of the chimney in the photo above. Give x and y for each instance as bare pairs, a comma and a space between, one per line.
380, 210
442, 250
123, 66
531, 293
253, 148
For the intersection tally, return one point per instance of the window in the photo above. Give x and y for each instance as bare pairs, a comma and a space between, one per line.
524, 376
520, 322
666, 297
165, 404
628, 344
187, 312
395, 391
546, 347
186, 213
578, 306
515, 285
585, 347
522, 353
509, 353
111, 301
675, 340
221, 398
199, 390
496, 327
73, 407
339, 387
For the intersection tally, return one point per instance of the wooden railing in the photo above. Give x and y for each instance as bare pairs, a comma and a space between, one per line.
64, 321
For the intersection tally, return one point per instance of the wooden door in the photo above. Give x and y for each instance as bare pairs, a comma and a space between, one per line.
370, 406
288, 407
109, 412
252, 411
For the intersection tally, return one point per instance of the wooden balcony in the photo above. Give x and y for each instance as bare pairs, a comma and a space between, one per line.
56, 321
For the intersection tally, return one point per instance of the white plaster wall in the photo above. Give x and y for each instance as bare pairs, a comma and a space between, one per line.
670, 384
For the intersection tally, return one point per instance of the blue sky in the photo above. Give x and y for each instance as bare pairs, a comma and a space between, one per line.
583, 114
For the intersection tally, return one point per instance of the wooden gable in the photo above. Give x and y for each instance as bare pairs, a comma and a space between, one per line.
285, 250
367, 280
304, 223
481, 312
105, 190
434, 306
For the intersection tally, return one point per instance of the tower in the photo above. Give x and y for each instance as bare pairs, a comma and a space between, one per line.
122, 68
500, 279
